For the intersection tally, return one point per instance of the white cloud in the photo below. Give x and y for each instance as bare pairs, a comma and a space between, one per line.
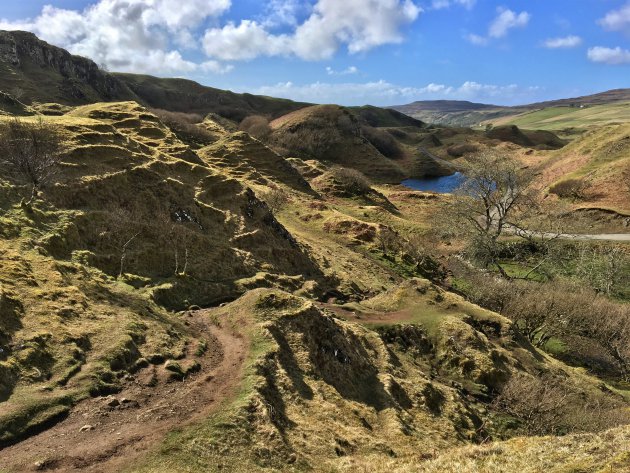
507, 20
500, 26
613, 56
282, 12
617, 20
129, 35
440, 4
565, 42
385, 93
477, 40
150, 35
360, 25
345, 72
245, 41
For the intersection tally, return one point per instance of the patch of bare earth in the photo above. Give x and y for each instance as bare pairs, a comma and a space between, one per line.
107, 433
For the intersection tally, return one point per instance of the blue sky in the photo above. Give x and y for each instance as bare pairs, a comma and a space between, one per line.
382, 52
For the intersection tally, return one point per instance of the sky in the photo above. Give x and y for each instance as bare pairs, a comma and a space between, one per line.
351, 52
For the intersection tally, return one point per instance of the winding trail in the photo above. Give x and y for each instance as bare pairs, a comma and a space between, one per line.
119, 435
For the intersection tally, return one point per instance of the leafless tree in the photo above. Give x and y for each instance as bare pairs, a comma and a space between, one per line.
389, 241
488, 203
276, 199
120, 230
31, 151
18, 93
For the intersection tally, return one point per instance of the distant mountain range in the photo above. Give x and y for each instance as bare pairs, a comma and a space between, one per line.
463, 113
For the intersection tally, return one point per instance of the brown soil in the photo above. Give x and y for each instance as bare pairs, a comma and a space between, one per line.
153, 405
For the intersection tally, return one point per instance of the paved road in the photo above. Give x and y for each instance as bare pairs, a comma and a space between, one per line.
575, 236
600, 236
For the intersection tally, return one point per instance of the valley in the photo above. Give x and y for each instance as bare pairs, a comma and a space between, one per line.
198, 280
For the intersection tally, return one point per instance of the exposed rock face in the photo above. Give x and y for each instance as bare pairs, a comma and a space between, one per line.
77, 79
8, 49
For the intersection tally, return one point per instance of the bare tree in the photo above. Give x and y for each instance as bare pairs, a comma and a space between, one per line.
120, 230
389, 241
276, 199
18, 93
31, 150
487, 204
177, 226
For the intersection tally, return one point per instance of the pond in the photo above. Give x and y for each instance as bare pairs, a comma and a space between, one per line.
441, 185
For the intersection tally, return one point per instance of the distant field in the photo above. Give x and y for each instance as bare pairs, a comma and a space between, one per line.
563, 118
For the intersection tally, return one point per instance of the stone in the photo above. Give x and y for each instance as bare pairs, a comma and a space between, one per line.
111, 401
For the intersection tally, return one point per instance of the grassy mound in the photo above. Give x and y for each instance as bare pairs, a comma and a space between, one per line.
377, 392
332, 133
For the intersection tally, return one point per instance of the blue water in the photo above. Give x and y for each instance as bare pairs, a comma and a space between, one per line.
441, 185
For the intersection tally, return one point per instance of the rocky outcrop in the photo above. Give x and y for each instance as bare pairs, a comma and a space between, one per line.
48, 73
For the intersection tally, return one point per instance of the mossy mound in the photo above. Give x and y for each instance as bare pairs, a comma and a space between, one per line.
247, 159
332, 133
9, 105
327, 394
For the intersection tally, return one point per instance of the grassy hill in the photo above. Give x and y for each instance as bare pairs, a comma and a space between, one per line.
599, 161
183, 296
555, 115
568, 120
36, 71
190, 97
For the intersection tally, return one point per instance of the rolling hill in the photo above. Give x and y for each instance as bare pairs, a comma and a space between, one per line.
183, 296
554, 115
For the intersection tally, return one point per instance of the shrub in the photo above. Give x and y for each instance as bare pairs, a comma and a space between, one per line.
352, 181
457, 151
552, 405
257, 126
276, 199
185, 126
592, 323
574, 189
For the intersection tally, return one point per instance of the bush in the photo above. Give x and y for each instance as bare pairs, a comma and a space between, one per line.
552, 405
276, 199
257, 126
574, 189
351, 181
385, 143
185, 126
457, 151
31, 151
593, 324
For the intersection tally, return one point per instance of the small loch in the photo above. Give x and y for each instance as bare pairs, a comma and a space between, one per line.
441, 185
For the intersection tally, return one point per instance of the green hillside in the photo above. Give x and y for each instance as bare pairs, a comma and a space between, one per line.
568, 119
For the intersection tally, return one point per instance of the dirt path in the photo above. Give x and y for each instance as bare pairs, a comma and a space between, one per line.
100, 436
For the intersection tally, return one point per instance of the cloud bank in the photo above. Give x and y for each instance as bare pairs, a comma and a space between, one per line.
154, 36
385, 93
